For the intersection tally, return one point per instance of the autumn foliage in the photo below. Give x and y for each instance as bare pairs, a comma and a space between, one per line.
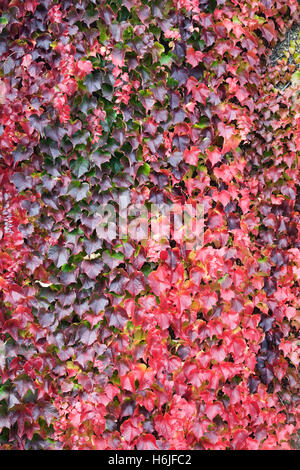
147, 345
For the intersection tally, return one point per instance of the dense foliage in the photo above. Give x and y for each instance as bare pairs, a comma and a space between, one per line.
127, 344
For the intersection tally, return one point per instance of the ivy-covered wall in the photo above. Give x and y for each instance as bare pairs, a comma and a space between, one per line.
145, 344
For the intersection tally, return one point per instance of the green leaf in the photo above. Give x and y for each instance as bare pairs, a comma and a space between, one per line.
166, 59
144, 169
77, 190
172, 83
79, 166
157, 51
203, 123
4, 20
116, 165
116, 255
296, 78
222, 278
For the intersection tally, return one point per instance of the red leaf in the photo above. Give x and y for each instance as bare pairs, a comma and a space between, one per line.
129, 430
225, 131
214, 156
30, 5
164, 425
200, 93
239, 439
117, 57
231, 141
199, 90
136, 284
160, 280
200, 427
218, 354
55, 14
208, 299
146, 442
268, 31
238, 347
222, 47
192, 156
68, 86
83, 67
214, 409
149, 401
193, 57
